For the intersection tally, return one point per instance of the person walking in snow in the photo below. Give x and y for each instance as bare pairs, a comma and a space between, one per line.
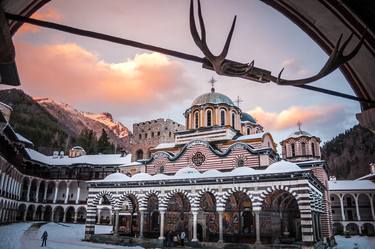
44, 238
182, 237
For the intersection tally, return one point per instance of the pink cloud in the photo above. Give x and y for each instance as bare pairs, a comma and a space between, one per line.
46, 14
291, 116
69, 73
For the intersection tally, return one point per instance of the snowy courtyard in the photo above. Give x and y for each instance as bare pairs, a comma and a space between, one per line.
60, 236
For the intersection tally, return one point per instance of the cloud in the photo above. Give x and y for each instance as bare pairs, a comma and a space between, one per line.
293, 66
289, 117
46, 14
68, 73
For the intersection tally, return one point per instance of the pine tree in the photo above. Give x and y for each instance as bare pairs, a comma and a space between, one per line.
104, 146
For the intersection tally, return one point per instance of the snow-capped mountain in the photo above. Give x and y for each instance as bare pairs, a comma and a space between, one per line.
74, 121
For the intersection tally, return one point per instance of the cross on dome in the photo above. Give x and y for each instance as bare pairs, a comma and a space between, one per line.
299, 123
238, 101
212, 82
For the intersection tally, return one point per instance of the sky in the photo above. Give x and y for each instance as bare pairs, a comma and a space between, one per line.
137, 85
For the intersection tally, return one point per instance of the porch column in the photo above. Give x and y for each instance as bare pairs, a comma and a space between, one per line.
117, 220
78, 193
34, 214
372, 206
56, 189
28, 191
64, 217
24, 215
2, 182
195, 220
357, 207
342, 208
142, 212
67, 193
257, 227
221, 238
162, 213
45, 192
98, 215
110, 217
75, 216
43, 211
37, 192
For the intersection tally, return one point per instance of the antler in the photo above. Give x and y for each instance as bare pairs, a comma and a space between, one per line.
219, 63
335, 60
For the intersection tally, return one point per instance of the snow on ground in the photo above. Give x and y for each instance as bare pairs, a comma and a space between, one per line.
355, 242
60, 236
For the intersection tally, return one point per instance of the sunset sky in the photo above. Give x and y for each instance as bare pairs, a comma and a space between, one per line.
137, 85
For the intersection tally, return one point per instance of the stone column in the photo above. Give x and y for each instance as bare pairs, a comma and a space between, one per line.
45, 192
2, 182
117, 220
342, 208
56, 190
110, 217
257, 227
221, 237
64, 217
37, 192
142, 213
98, 215
356, 197
372, 207
28, 191
67, 193
75, 216
25, 214
43, 211
162, 213
195, 220
78, 193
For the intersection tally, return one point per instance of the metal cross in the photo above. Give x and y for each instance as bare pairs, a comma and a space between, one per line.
238, 101
299, 123
212, 82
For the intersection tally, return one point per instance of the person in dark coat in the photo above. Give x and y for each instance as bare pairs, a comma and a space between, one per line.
182, 237
44, 238
169, 238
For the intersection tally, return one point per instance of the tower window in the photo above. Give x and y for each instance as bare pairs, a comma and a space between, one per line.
139, 154
303, 148
222, 117
233, 120
293, 150
248, 131
152, 134
209, 117
196, 120
145, 135
140, 136
313, 149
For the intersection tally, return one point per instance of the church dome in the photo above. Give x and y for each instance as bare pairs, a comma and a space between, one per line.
212, 98
247, 117
300, 133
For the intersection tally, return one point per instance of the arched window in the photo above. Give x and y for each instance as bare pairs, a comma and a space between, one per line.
196, 120
248, 131
222, 117
313, 149
293, 150
139, 154
233, 120
303, 148
209, 117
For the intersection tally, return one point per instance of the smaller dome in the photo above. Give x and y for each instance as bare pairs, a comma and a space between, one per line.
283, 166
116, 177
212, 173
300, 133
142, 176
159, 177
187, 172
213, 98
247, 117
242, 171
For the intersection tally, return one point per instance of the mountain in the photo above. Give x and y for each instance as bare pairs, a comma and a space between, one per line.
349, 154
75, 121
55, 126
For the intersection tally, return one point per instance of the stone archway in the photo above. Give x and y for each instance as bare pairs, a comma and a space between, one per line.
368, 229
30, 212
280, 218
338, 229
238, 219
38, 213
177, 216
69, 214
58, 214
152, 217
20, 212
24, 189
208, 218
352, 229
81, 215
129, 218
48, 213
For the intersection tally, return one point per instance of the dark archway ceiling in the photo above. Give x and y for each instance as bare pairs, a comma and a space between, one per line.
322, 20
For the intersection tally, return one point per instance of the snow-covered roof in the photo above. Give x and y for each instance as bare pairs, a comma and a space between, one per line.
102, 159
115, 177
165, 146
311, 162
251, 136
23, 139
351, 185
192, 173
365, 177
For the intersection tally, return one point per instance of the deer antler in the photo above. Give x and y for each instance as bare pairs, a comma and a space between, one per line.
335, 60
219, 63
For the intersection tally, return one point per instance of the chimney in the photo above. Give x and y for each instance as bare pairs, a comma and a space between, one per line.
372, 168
61, 154
55, 154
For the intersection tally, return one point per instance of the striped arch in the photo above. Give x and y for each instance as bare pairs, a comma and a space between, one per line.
229, 192
199, 194
146, 196
269, 190
127, 197
95, 201
170, 194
